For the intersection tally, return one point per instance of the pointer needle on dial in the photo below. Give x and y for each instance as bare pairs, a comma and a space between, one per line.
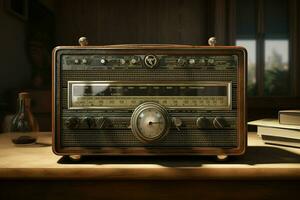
150, 123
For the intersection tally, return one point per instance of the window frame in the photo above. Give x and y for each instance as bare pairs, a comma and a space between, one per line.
267, 106
260, 40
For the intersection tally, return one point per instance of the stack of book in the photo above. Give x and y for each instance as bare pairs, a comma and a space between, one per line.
282, 131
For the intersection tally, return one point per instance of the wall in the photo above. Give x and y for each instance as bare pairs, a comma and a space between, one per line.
133, 21
15, 69
50, 4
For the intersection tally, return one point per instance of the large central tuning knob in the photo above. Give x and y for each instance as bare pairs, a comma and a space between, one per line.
150, 122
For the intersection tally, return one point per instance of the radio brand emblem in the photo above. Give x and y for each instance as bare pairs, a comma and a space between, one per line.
150, 61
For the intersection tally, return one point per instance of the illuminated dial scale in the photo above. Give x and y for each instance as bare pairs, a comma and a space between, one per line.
171, 101
113, 95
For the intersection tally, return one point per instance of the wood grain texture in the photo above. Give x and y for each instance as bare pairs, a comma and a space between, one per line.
133, 21
37, 162
149, 190
34, 172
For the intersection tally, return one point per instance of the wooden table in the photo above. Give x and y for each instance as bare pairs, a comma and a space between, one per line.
34, 172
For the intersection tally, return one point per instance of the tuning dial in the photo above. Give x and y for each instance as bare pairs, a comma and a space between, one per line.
150, 122
89, 122
219, 122
202, 122
72, 123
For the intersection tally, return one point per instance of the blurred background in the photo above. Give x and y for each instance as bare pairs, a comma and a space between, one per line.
269, 29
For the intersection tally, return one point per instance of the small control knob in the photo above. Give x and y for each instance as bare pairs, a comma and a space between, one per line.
76, 61
72, 123
102, 61
203, 122
219, 122
202, 61
133, 61
210, 61
192, 61
122, 61
84, 61
89, 122
181, 61
177, 122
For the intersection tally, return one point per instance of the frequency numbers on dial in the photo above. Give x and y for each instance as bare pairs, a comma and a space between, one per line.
133, 101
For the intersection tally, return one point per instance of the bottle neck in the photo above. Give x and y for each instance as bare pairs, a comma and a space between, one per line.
24, 105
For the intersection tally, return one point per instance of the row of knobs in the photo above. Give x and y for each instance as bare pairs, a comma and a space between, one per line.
217, 122
204, 123
192, 61
133, 61
103, 61
98, 123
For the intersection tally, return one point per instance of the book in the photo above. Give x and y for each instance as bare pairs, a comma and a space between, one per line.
290, 117
279, 132
272, 132
273, 123
281, 141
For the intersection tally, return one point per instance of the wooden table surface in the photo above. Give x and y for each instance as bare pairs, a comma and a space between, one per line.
34, 172
37, 161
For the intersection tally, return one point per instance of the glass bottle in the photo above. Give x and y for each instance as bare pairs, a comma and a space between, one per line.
24, 127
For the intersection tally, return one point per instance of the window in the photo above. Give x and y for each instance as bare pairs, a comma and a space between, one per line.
276, 74
262, 28
250, 45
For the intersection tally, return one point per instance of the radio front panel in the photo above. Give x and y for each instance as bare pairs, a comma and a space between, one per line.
149, 100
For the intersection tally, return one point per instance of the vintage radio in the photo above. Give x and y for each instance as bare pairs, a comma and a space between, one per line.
149, 100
